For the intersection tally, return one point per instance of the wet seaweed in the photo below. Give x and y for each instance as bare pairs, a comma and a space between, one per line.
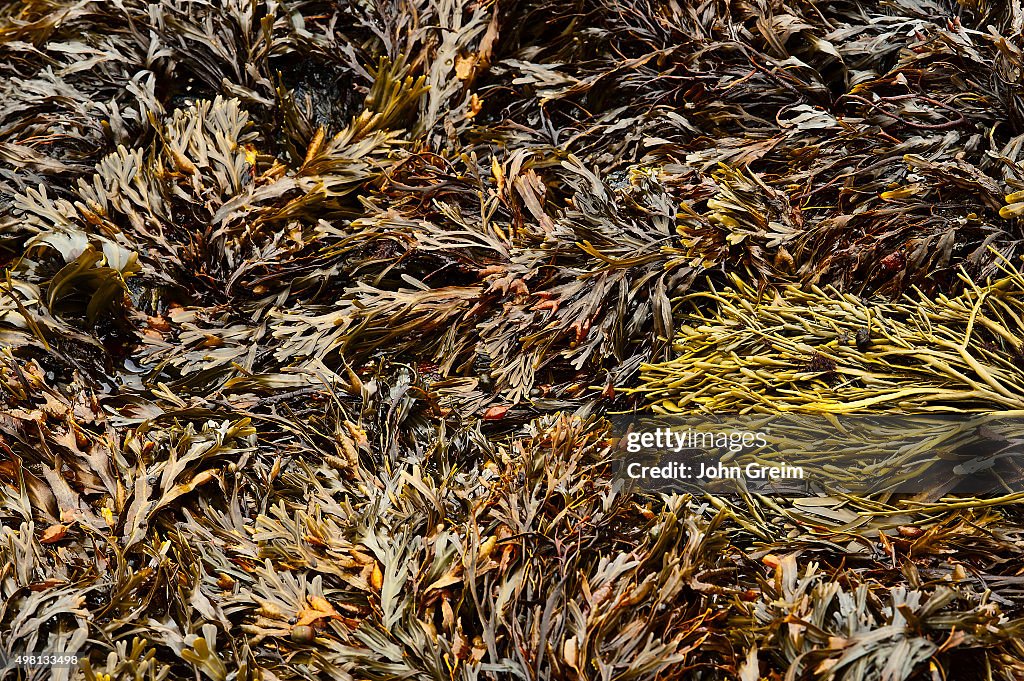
312, 312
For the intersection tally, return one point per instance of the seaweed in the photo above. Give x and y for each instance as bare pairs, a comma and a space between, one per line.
313, 315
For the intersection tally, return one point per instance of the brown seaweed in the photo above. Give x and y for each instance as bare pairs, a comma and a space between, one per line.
312, 312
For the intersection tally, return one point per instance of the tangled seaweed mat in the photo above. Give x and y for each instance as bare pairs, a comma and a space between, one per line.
818, 351
310, 310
